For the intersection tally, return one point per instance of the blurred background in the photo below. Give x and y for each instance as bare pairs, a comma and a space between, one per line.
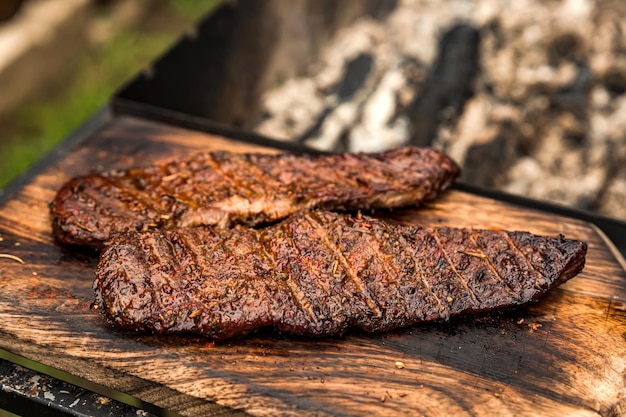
528, 96
61, 60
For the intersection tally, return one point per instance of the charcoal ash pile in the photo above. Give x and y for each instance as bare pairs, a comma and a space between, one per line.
528, 96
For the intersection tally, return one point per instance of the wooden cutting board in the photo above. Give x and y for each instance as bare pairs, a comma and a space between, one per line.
564, 355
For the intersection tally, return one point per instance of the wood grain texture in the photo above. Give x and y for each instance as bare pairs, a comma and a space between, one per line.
564, 355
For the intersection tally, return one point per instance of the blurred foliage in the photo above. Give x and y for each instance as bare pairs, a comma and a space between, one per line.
39, 126
192, 9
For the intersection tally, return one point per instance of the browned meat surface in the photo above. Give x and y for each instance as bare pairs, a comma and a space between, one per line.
223, 188
321, 273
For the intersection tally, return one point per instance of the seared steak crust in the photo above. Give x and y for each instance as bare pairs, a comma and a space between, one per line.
223, 188
321, 273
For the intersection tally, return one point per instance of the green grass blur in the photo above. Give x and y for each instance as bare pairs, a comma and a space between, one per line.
38, 127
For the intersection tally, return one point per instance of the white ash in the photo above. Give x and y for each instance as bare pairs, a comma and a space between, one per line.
546, 117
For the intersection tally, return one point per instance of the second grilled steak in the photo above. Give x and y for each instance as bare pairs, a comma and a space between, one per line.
223, 188
321, 273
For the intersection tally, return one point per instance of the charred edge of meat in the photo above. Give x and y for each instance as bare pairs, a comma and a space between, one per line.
322, 273
222, 189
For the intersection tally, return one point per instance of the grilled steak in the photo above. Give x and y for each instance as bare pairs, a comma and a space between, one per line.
223, 188
320, 273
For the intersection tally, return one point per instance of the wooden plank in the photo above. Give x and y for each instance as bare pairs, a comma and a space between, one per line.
564, 355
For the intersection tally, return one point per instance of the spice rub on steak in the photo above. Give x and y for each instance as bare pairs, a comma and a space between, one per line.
321, 273
224, 188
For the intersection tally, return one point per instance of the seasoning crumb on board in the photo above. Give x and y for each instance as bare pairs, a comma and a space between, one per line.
385, 396
12, 257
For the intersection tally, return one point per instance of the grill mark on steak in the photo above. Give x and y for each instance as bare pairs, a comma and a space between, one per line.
312, 270
442, 310
503, 260
372, 252
453, 268
129, 190
212, 161
442, 281
160, 263
358, 282
500, 279
540, 258
303, 302
416, 260
521, 255
165, 190
223, 188
114, 206
361, 242
511, 263
488, 284
257, 175
283, 276
514, 251
491, 284
270, 265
